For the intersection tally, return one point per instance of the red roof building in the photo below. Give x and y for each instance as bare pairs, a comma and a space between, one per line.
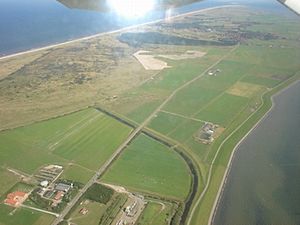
59, 195
15, 198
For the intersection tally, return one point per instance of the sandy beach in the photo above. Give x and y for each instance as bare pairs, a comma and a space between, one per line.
113, 32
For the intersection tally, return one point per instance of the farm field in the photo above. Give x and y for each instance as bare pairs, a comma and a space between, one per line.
223, 110
22, 216
91, 206
8, 179
81, 142
138, 103
149, 166
95, 211
218, 99
156, 213
102, 136
226, 99
78, 173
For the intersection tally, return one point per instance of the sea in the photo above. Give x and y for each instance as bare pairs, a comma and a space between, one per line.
30, 24
263, 186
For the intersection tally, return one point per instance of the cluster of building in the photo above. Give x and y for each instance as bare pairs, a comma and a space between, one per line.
54, 191
206, 133
83, 211
16, 198
49, 173
214, 72
132, 211
49, 188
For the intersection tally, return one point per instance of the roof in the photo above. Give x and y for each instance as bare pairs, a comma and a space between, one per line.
59, 195
10, 201
14, 198
16, 194
62, 187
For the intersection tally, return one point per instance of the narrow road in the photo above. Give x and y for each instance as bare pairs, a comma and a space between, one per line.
40, 210
182, 116
130, 138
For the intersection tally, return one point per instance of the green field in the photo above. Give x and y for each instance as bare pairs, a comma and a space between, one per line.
75, 137
7, 180
85, 139
148, 166
223, 109
155, 213
138, 103
78, 173
9, 216
268, 82
167, 123
95, 211
94, 143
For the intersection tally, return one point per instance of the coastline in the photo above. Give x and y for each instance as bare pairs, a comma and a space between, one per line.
233, 153
112, 32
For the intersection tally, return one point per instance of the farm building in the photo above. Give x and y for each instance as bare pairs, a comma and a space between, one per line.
59, 195
16, 198
63, 187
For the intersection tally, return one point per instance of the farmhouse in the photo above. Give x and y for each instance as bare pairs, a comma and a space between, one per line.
59, 195
83, 211
63, 187
16, 198
206, 134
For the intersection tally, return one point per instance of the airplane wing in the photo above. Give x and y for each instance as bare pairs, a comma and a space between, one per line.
103, 5
292, 4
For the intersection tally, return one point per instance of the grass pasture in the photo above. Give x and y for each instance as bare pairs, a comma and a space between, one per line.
223, 110
22, 216
175, 126
190, 99
78, 173
86, 138
279, 58
265, 81
155, 213
93, 144
140, 102
8, 179
166, 123
95, 211
244, 89
148, 166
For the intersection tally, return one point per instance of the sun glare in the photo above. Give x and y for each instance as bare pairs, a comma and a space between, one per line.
131, 8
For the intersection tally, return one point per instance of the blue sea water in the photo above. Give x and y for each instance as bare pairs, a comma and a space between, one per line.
28, 24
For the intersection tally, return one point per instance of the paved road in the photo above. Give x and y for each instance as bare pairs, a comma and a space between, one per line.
129, 139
